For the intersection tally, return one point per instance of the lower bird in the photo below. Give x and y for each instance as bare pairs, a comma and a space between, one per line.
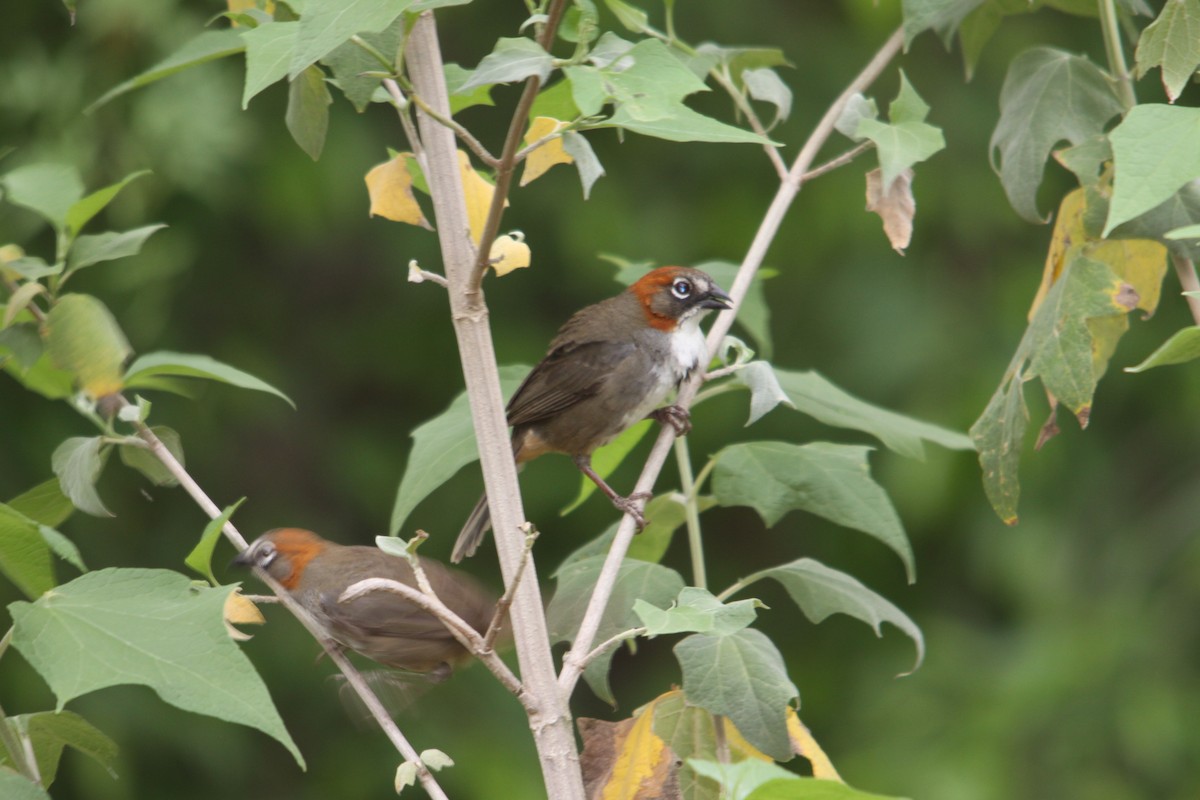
382, 626
611, 365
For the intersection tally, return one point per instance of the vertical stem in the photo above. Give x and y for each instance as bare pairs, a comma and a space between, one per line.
1185, 269
549, 716
1116, 56
691, 512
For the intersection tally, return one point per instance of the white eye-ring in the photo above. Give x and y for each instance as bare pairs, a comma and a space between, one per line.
266, 555
682, 288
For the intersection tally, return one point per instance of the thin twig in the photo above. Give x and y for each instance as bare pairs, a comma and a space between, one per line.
524, 152
716, 374
691, 512
467, 636
601, 648
505, 602
1185, 269
719, 739
353, 676
507, 161
418, 275
768, 228
410, 132
261, 598
722, 77
1116, 56
462, 133
837, 161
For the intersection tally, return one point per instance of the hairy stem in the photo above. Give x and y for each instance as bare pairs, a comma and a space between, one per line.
768, 228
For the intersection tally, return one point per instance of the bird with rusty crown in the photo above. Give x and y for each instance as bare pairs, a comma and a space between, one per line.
610, 366
382, 626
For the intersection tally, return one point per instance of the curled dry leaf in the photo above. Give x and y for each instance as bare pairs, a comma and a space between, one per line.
240, 611
390, 187
509, 252
895, 206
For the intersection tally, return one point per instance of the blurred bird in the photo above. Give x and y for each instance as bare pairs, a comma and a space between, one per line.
607, 368
382, 626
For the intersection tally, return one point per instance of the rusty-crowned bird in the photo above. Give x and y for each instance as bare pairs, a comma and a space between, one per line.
610, 366
382, 626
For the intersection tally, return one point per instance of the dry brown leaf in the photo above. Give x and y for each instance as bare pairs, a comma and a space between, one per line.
626, 760
390, 187
894, 205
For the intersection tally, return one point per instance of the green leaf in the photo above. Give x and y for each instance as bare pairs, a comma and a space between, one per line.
765, 392
737, 780
943, 16
456, 77
19, 300
46, 189
84, 339
441, 447
78, 462
31, 268
907, 139
63, 547
664, 515
307, 115
821, 591
145, 369
327, 24
696, 611
1172, 43
16, 787
21, 346
795, 786
1048, 96
513, 59
1184, 345
1155, 153
742, 676
83, 210
145, 462
208, 46
631, 17
45, 504
589, 167
830, 480
349, 61
636, 580
269, 50
24, 554
587, 88
682, 124
145, 626
815, 396
49, 732
765, 84
200, 559
999, 433
89, 250
606, 459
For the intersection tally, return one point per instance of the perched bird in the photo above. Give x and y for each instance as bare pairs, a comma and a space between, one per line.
610, 366
382, 626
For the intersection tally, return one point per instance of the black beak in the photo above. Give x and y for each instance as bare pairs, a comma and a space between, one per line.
717, 299
242, 559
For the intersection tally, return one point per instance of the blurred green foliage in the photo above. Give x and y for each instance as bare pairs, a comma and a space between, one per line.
1062, 653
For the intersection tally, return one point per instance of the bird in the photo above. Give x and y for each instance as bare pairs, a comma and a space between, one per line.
610, 365
382, 626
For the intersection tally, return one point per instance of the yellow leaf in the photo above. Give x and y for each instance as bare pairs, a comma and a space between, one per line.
1068, 234
509, 252
545, 155
738, 746
478, 193
803, 744
389, 186
240, 611
1142, 263
238, 6
626, 760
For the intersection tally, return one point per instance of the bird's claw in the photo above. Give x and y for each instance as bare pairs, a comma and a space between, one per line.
630, 505
676, 416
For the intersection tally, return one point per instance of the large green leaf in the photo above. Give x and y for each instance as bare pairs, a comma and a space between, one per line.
46, 189
269, 50
636, 581
144, 371
1172, 43
1048, 96
307, 114
16, 787
89, 250
441, 447
513, 59
812, 394
326, 24
830, 480
150, 627
821, 591
349, 62
49, 732
906, 139
207, 46
24, 553
84, 339
1156, 150
742, 676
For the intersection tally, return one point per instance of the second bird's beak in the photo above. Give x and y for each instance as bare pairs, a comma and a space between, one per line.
242, 559
717, 299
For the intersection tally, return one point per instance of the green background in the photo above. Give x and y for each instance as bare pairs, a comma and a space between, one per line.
1062, 653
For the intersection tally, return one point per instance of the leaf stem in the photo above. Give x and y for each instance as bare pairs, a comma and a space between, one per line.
691, 512
1115, 53
722, 77
1185, 269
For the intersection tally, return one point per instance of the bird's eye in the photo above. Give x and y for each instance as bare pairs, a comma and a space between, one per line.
266, 555
682, 288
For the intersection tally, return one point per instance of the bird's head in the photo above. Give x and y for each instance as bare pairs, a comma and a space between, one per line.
672, 295
283, 553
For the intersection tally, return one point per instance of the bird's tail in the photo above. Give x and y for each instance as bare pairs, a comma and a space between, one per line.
473, 531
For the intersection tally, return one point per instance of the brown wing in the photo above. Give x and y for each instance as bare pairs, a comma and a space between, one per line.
568, 374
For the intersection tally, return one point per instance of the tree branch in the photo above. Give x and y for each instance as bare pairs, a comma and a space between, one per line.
573, 662
353, 676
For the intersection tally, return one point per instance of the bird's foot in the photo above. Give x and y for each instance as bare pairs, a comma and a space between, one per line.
676, 416
631, 506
